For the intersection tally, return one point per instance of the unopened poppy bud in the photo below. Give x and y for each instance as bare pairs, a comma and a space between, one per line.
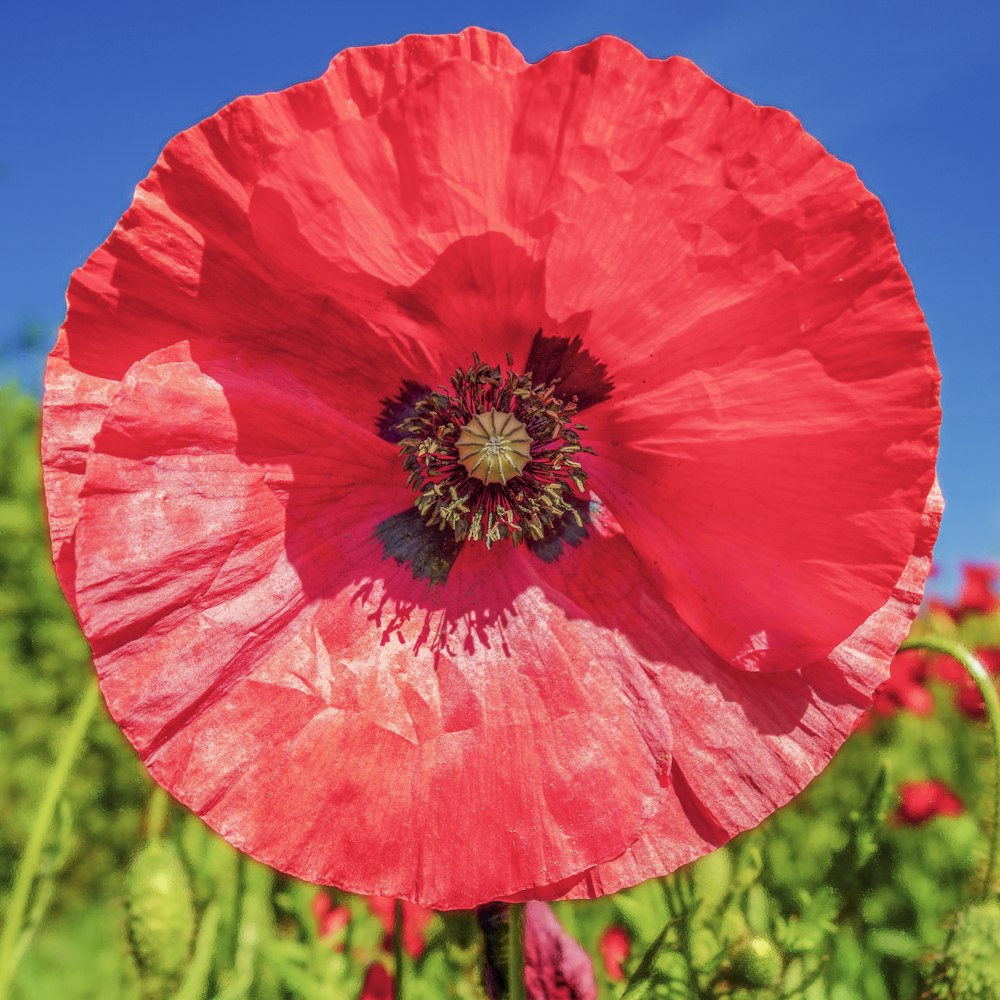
756, 963
160, 919
969, 969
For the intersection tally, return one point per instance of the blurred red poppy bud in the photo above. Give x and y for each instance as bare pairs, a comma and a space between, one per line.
378, 984
615, 945
977, 595
415, 921
921, 801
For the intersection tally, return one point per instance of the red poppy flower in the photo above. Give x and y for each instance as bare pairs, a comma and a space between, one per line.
905, 687
330, 919
322, 308
615, 945
378, 983
937, 607
977, 595
415, 921
990, 658
921, 801
968, 699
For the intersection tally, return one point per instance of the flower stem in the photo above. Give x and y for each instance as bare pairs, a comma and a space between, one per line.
31, 858
515, 952
156, 814
397, 950
502, 925
640, 980
975, 669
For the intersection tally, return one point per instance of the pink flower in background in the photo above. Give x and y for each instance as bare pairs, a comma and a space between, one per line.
555, 965
921, 801
329, 918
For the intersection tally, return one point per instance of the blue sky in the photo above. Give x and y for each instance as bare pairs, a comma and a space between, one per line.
907, 92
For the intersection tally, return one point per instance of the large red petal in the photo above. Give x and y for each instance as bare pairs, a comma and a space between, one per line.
305, 694
744, 743
772, 432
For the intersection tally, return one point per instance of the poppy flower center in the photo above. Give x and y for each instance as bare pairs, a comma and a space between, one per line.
495, 458
494, 447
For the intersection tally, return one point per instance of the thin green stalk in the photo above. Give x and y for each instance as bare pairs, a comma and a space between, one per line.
975, 669
156, 814
30, 859
257, 927
515, 952
639, 980
199, 970
45, 884
397, 950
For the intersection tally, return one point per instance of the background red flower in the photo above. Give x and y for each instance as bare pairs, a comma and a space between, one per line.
378, 983
330, 919
921, 801
967, 696
415, 921
615, 945
978, 592
906, 686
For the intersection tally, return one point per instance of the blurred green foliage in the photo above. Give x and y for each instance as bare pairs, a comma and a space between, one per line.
44, 666
829, 900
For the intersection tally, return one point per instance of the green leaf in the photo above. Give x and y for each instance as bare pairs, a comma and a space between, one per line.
748, 868
641, 983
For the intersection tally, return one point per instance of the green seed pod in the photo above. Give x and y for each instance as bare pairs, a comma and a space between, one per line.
756, 963
969, 969
161, 919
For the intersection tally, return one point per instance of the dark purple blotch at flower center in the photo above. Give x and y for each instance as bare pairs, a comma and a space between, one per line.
494, 458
